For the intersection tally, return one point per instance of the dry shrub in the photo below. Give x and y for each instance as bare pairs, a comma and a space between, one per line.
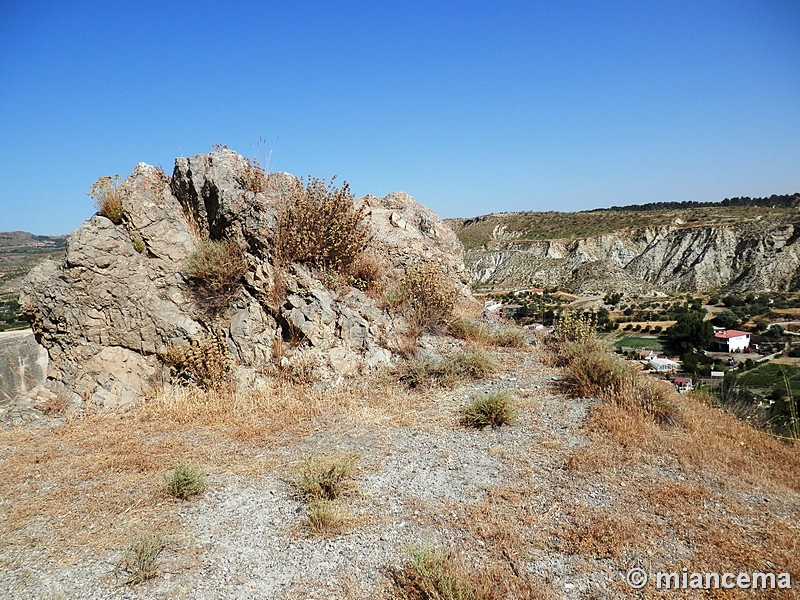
433, 575
366, 273
140, 561
107, 198
216, 269
472, 330
56, 406
325, 477
574, 327
254, 176
591, 371
596, 374
490, 410
321, 225
184, 481
469, 362
204, 363
426, 296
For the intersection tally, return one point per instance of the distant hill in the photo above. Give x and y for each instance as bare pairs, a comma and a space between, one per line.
23, 239
536, 226
743, 244
20, 251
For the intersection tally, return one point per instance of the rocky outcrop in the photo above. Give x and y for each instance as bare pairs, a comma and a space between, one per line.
121, 296
756, 256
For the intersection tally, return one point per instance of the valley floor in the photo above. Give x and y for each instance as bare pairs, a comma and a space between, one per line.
559, 504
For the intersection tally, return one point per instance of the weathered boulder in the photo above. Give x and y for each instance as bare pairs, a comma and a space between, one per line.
107, 314
23, 364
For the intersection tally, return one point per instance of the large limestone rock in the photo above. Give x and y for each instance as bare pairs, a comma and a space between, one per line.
23, 364
121, 296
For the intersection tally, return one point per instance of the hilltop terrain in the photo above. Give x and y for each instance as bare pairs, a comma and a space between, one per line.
240, 385
706, 248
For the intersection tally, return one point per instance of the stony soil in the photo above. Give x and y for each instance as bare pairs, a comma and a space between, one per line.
427, 481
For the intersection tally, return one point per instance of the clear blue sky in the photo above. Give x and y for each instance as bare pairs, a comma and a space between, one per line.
471, 107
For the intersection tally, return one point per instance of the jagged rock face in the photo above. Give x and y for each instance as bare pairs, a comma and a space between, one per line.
748, 257
121, 296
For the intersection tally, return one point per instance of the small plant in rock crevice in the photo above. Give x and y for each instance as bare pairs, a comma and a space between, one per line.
321, 225
204, 362
106, 195
215, 269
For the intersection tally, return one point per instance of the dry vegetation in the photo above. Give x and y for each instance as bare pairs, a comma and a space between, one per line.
107, 198
703, 491
216, 268
535, 226
321, 225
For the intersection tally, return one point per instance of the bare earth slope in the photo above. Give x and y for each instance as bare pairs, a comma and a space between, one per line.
558, 505
696, 249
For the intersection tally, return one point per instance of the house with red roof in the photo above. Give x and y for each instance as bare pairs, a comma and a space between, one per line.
731, 340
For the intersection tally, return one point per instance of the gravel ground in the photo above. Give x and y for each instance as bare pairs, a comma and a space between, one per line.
416, 484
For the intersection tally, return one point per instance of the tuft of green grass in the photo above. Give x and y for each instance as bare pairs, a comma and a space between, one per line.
324, 478
471, 330
490, 410
474, 362
469, 362
325, 517
433, 576
185, 481
140, 561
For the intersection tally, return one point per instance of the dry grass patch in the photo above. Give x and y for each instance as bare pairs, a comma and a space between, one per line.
492, 409
474, 331
433, 575
591, 371
468, 362
598, 534
321, 483
140, 561
326, 518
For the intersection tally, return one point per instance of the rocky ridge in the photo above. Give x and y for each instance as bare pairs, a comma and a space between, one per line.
760, 255
121, 296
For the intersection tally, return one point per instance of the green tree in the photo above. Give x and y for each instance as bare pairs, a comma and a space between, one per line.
690, 332
727, 319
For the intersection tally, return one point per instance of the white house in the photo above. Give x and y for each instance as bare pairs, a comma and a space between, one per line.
664, 365
683, 384
731, 340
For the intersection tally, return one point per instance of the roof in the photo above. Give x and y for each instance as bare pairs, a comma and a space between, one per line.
682, 380
662, 361
730, 333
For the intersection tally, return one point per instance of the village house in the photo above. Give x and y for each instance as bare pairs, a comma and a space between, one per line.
645, 354
731, 340
683, 384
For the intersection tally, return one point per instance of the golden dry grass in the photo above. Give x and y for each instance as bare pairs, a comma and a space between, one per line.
84, 485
